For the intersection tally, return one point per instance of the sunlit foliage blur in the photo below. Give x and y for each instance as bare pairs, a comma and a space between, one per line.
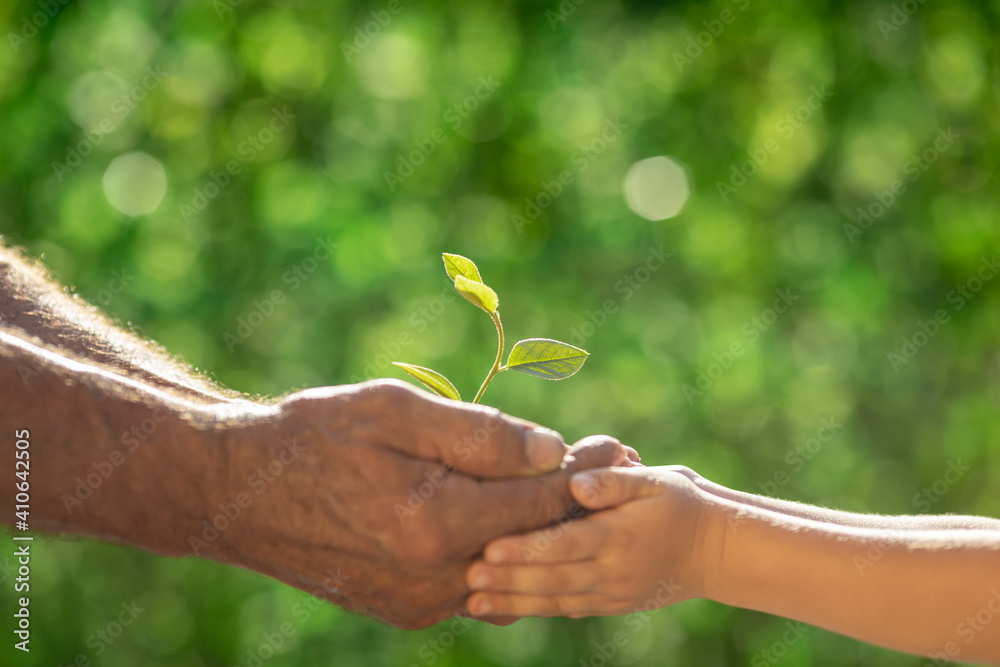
183, 164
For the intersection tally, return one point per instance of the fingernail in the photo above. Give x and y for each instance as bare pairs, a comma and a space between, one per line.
584, 484
480, 580
480, 606
545, 449
495, 554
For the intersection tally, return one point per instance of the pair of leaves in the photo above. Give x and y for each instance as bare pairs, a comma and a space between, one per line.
465, 274
541, 357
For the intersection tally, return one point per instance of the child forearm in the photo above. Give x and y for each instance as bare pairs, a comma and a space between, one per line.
932, 592
803, 511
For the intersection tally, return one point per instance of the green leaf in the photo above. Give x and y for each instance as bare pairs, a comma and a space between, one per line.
546, 358
436, 382
456, 265
477, 293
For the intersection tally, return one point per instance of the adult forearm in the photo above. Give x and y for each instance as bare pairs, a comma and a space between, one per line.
34, 306
111, 457
871, 584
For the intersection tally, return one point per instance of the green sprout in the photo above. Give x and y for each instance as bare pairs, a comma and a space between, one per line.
541, 357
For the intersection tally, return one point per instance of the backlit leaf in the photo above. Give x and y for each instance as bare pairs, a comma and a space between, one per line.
546, 358
477, 293
436, 382
456, 265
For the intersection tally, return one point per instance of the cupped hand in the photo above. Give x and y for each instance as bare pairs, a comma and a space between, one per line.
640, 549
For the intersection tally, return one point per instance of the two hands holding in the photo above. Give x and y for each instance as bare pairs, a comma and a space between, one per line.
433, 508
480, 513
412, 509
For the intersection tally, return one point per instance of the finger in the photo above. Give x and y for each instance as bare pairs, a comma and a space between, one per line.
574, 606
569, 541
562, 579
608, 487
633, 455
508, 507
474, 439
595, 451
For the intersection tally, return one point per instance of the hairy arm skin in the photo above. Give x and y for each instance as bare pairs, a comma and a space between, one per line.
33, 306
77, 415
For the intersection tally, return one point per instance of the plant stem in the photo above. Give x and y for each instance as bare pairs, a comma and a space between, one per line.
496, 364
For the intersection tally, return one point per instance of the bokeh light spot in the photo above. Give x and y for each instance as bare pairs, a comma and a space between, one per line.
134, 183
657, 188
293, 61
394, 67
91, 98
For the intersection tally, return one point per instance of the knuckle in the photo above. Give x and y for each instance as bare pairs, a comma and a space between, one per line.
392, 392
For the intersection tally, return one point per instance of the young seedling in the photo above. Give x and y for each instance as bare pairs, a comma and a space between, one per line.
541, 357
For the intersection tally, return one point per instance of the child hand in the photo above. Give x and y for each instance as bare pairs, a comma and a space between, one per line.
641, 550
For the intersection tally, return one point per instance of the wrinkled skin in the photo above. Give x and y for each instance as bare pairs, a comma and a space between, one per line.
391, 495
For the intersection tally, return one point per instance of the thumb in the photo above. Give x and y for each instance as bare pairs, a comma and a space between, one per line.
478, 440
607, 487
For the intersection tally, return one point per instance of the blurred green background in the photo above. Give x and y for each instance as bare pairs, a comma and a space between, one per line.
181, 200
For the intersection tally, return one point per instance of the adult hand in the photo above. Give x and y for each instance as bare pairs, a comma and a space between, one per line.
378, 496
